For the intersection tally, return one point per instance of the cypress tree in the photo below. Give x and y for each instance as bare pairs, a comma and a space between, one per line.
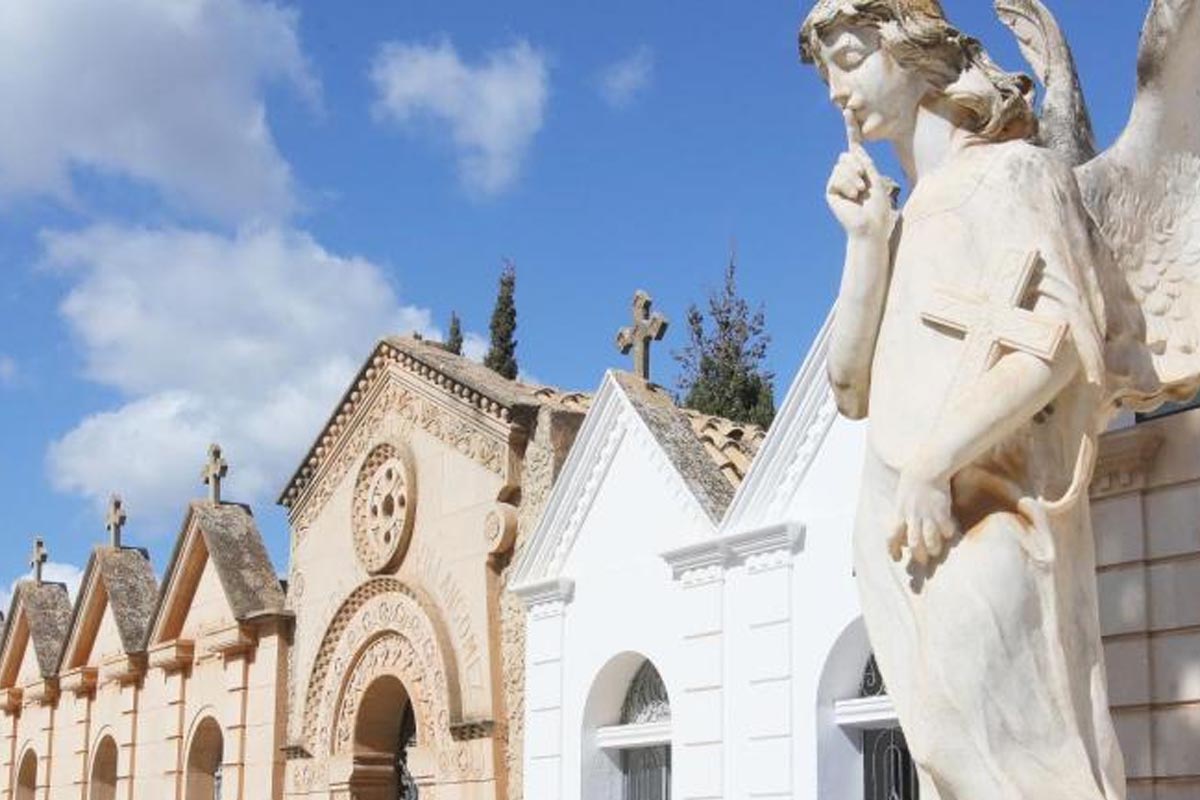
721, 367
454, 339
502, 354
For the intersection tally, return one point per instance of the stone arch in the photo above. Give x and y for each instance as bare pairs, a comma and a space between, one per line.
27, 776
102, 779
610, 702
205, 759
360, 634
839, 751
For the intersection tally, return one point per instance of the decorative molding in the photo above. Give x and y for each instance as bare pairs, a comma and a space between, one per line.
500, 529
791, 444
384, 507
546, 548
545, 598
1124, 460
628, 737
41, 693
122, 669
173, 656
865, 713
769, 547
387, 360
80, 682
11, 699
231, 642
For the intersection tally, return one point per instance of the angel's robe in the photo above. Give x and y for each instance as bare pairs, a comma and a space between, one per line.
992, 655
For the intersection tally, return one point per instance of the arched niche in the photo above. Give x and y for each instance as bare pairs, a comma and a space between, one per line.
206, 754
102, 784
27, 777
839, 749
385, 730
627, 737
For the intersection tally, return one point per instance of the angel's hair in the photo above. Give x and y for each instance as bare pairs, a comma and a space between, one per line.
998, 104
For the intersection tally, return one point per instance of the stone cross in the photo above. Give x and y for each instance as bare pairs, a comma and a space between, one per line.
995, 318
214, 471
38, 559
115, 520
646, 328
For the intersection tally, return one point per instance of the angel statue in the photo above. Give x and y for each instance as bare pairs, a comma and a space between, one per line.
989, 329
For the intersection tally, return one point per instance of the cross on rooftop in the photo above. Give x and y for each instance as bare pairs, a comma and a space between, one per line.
38, 559
214, 471
115, 521
646, 328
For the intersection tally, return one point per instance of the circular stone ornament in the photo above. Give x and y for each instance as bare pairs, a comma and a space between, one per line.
385, 498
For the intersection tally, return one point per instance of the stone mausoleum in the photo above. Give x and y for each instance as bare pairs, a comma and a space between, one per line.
500, 591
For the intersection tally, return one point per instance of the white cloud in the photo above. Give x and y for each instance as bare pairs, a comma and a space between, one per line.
248, 340
475, 347
622, 81
8, 370
166, 93
52, 572
492, 109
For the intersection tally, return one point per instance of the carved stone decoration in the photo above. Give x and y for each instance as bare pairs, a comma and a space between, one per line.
385, 498
500, 527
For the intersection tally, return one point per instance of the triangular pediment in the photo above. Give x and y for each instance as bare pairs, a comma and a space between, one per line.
468, 408
219, 574
34, 634
626, 412
116, 603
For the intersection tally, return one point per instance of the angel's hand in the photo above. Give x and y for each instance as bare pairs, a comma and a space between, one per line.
862, 199
923, 520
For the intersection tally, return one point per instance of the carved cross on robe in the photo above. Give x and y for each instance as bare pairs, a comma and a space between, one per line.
38, 559
214, 471
994, 319
646, 328
115, 520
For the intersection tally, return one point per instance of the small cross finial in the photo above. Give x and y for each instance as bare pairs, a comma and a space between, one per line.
115, 521
214, 471
646, 328
38, 559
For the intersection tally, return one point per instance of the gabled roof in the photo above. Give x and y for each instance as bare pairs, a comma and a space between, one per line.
236, 551
45, 610
478, 389
790, 446
125, 578
708, 454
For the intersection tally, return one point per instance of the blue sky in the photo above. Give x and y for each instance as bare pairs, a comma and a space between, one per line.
210, 209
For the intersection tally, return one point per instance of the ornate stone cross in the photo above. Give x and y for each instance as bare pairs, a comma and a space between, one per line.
38, 559
995, 318
214, 471
646, 328
115, 520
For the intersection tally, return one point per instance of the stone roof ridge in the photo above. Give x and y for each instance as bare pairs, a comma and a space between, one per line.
473, 384
132, 590
672, 428
48, 613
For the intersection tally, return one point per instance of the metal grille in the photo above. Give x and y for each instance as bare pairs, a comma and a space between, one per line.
888, 769
406, 787
647, 773
646, 700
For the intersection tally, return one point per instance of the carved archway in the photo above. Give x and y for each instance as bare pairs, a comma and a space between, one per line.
206, 756
27, 777
102, 784
381, 605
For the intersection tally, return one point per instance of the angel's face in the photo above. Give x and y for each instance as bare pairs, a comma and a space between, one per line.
864, 79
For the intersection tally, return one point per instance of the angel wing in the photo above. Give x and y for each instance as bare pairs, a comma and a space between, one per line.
1144, 195
1143, 192
1064, 123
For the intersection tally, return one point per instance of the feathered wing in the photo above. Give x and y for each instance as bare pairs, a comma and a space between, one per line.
1064, 123
1144, 195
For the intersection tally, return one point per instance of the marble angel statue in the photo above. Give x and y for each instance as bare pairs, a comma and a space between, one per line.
1026, 290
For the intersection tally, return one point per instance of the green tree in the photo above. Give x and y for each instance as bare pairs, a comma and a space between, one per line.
454, 339
722, 366
502, 354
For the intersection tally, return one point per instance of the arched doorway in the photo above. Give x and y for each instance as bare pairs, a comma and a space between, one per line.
204, 763
627, 733
103, 783
27, 776
384, 732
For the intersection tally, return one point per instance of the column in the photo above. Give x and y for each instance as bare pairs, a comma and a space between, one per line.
545, 610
